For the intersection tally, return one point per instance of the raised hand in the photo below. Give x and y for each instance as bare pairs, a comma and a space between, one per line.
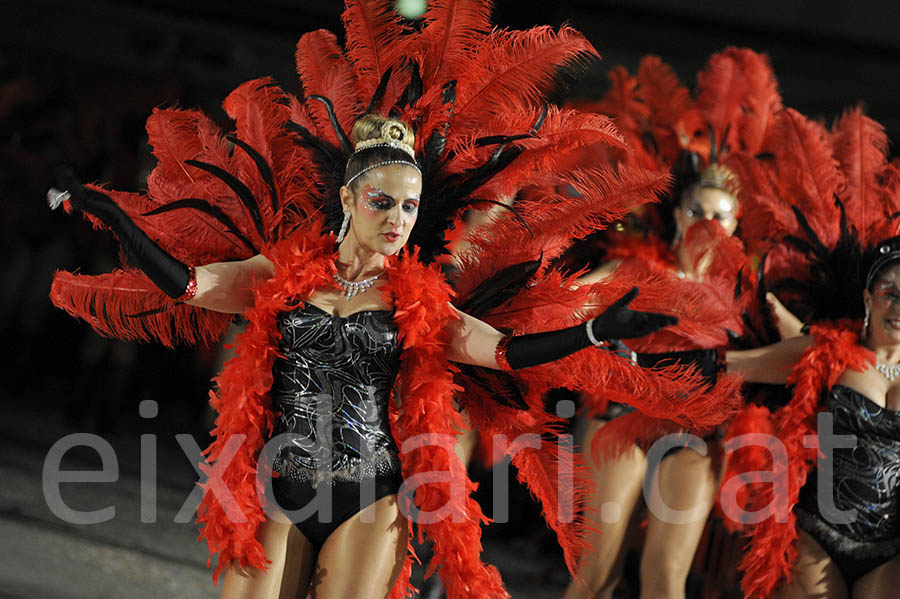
787, 324
79, 197
173, 277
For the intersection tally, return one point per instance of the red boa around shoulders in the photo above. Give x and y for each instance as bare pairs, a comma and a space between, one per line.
421, 409
771, 553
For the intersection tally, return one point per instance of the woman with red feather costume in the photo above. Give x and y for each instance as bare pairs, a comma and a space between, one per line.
686, 241
254, 209
821, 210
826, 203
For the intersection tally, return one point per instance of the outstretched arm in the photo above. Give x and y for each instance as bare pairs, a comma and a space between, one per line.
475, 342
600, 273
223, 286
770, 364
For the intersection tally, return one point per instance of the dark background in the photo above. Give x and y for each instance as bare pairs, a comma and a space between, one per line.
78, 79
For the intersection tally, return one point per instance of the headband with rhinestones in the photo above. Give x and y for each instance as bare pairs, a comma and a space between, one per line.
383, 163
391, 137
886, 255
380, 143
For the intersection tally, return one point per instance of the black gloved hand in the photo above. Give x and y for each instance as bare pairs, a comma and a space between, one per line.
617, 322
169, 274
621, 322
80, 197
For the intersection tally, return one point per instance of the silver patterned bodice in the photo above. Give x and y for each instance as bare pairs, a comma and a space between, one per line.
867, 476
330, 394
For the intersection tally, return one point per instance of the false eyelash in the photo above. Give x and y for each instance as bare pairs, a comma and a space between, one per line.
374, 205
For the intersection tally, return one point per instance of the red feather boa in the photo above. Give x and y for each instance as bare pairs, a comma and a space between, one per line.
422, 403
771, 553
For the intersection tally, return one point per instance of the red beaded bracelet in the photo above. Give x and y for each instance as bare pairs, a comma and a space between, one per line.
500, 352
191, 290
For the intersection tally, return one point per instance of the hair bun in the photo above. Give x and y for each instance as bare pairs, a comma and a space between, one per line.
379, 141
391, 131
374, 131
719, 176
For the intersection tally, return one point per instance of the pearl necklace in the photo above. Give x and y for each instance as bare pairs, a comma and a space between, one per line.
352, 288
889, 372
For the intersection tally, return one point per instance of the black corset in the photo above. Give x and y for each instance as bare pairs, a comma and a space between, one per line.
866, 477
330, 394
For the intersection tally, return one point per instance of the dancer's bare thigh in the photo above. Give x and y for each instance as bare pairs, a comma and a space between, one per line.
881, 583
291, 556
364, 556
617, 484
815, 576
686, 485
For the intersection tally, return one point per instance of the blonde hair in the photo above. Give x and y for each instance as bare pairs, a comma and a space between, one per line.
379, 141
721, 177
374, 127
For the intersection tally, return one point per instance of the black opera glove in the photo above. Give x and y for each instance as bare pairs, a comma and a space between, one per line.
621, 322
616, 322
173, 277
708, 362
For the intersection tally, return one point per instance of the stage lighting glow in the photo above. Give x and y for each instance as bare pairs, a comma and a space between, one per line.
412, 9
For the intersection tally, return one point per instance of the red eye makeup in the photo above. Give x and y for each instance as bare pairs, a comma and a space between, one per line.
377, 199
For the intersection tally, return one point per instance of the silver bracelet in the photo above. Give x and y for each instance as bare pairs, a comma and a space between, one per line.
588, 326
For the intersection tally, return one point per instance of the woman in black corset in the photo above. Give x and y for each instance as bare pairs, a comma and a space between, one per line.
846, 530
339, 346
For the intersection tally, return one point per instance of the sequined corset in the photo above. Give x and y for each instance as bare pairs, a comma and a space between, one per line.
866, 477
330, 394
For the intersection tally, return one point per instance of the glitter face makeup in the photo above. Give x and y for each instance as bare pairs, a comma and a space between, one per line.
379, 200
703, 204
884, 308
384, 209
887, 291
